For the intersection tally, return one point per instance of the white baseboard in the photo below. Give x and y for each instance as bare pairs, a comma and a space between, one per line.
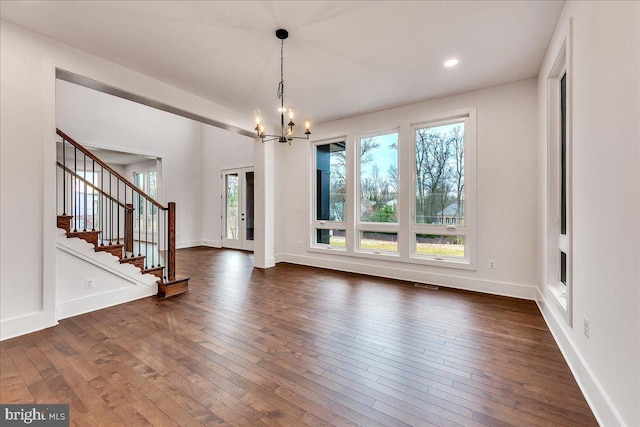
602, 407
413, 274
99, 301
188, 244
21, 325
212, 243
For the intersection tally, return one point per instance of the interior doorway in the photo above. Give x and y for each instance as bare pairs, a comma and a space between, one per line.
238, 208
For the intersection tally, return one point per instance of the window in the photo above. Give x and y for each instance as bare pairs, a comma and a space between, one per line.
440, 228
558, 257
86, 209
378, 193
146, 213
330, 211
402, 196
379, 178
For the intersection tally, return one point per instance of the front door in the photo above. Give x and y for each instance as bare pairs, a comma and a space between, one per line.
237, 208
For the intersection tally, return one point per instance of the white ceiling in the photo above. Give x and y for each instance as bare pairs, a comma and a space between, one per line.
342, 58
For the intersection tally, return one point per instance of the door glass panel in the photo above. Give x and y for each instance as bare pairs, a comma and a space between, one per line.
249, 206
231, 206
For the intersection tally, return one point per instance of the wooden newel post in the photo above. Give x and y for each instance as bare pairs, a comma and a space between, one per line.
171, 231
128, 228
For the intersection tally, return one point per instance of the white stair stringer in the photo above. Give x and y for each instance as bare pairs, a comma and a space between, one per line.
115, 282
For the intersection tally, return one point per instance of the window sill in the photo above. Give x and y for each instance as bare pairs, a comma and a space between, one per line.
560, 295
462, 264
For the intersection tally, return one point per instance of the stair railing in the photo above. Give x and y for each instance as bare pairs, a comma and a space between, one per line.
99, 199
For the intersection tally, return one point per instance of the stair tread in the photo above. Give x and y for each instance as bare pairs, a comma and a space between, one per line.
134, 257
117, 245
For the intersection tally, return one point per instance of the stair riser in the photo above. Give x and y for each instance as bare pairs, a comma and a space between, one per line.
158, 272
117, 251
139, 262
166, 290
89, 236
64, 222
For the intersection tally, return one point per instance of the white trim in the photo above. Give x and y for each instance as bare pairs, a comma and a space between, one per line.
95, 302
84, 250
402, 272
49, 196
22, 325
601, 405
188, 244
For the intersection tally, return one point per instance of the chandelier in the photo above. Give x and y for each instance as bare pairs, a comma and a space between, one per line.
286, 132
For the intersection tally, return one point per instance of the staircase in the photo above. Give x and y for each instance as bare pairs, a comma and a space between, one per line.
98, 205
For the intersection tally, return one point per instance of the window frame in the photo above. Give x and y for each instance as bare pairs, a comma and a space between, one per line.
559, 242
317, 224
468, 117
404, 228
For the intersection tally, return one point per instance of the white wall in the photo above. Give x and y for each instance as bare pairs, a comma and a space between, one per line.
506, 182
220, 150
606, 206
27, 83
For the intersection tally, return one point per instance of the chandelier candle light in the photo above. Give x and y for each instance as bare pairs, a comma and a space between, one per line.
286, 133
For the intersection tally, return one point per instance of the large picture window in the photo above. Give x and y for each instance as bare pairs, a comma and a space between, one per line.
440, 229
330, 161
405, 195
378, 193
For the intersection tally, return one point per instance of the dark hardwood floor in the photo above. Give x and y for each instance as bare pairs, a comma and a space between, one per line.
293, 346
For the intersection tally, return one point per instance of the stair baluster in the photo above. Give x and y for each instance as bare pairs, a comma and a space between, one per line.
86, 206
139, 226
118, 214
153, 228
73, 190
64, 180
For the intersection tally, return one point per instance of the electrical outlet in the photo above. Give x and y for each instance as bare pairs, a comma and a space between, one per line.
492, 263
90, 283
586, 327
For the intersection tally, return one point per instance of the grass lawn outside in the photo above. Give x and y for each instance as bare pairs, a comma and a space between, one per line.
440, 249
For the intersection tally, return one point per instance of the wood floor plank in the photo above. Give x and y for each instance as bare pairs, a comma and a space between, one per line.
298, 346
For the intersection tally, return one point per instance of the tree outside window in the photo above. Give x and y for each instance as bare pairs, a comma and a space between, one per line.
439, 156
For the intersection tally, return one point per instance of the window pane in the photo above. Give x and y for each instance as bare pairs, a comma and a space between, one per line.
378, 241
379, 178
333, 237
153, 190
249, 205
138, 180
231, 206
563, 155
439, 155
331, 174
438, 245
563, 268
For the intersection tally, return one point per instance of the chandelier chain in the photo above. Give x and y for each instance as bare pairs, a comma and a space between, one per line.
281, 84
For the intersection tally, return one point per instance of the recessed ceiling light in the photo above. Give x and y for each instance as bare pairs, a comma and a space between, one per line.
450, 63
